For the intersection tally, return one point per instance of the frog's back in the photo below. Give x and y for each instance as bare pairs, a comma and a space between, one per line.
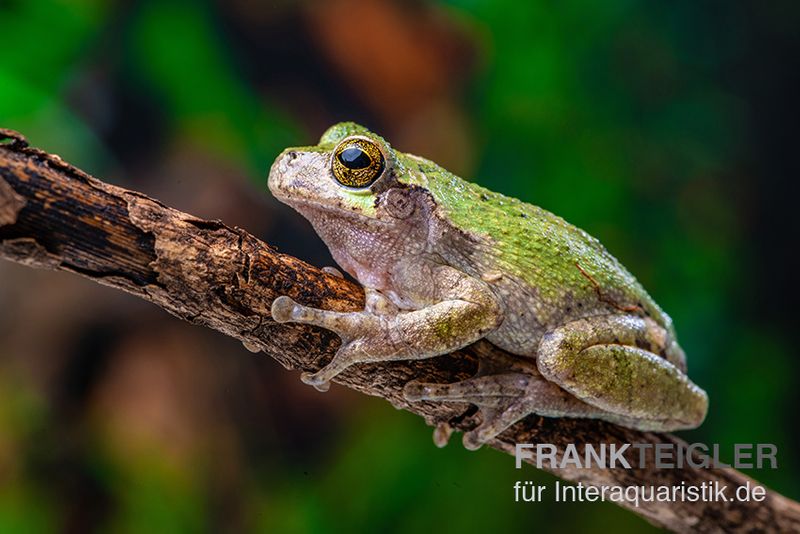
551, 270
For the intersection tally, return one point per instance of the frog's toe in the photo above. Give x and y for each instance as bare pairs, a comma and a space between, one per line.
489, 390
283, 309
333, 270
474, 440
441, 434
347, 355
251, 346
286, 310
313, 379
417, 391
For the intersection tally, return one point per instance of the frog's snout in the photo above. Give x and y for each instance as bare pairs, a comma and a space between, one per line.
282, 175
295, 173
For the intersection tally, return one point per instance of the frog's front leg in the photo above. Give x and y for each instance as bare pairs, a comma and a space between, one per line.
618, 363
463, 311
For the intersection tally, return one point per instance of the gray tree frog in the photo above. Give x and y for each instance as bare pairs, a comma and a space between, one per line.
445, 262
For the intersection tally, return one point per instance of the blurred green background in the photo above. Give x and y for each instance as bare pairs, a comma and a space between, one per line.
666, 129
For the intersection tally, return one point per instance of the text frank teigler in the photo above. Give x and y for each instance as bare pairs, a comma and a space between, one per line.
642, 455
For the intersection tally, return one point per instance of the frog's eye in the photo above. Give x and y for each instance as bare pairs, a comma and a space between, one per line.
357, 162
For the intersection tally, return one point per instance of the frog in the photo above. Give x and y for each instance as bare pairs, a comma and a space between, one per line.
446, 263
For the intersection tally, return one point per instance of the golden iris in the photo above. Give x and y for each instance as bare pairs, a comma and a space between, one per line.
357, 163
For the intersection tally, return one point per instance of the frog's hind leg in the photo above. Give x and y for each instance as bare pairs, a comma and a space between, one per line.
504, 394
503, 400
620, 363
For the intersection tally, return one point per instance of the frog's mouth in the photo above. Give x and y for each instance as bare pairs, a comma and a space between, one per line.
334, 214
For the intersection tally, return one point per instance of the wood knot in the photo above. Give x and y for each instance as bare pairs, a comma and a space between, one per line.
12, 139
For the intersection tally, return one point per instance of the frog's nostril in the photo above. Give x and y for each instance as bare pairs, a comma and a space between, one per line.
292, 155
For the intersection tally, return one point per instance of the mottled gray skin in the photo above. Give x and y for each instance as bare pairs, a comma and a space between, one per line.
445, 263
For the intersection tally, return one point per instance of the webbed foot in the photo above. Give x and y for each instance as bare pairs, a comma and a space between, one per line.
503, 399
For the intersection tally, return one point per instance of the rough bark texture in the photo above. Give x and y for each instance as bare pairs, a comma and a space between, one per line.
55, 216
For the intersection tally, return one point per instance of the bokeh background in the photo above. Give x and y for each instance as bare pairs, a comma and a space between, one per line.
667, 129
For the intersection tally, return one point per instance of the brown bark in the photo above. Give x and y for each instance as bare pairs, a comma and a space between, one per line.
55, 216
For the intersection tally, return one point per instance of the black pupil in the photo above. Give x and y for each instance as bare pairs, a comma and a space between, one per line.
354, 158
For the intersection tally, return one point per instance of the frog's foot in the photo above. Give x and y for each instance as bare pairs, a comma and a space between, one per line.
503, 400
333, 270
492, 394
354, 328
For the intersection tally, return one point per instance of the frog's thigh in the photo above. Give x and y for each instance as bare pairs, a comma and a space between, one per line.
598, 361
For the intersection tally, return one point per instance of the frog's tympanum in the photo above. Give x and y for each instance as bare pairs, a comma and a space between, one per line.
445, 262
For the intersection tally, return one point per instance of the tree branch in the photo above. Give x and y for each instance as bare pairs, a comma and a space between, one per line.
55, 216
